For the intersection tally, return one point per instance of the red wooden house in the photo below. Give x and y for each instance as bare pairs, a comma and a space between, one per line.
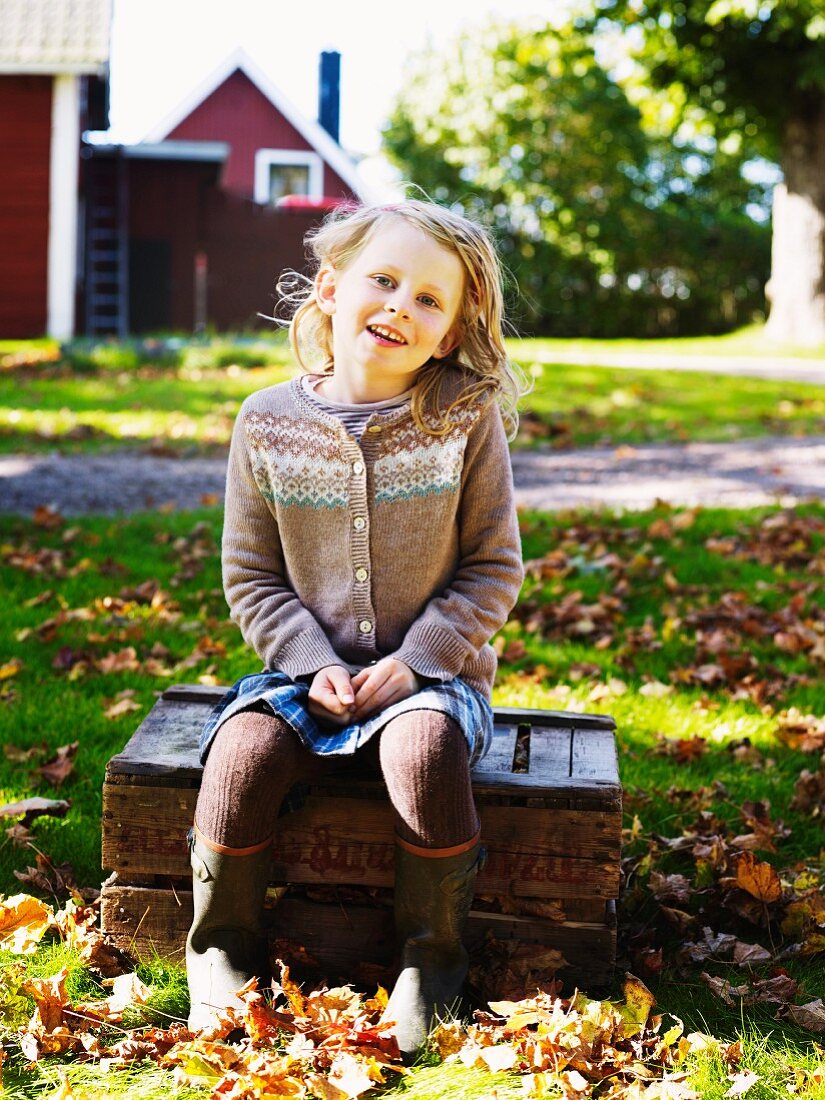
191, 226
53, 86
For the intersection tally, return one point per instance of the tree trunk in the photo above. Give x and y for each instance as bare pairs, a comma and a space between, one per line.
797, 285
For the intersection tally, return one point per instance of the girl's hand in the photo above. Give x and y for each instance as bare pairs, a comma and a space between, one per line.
331, 696
387, 681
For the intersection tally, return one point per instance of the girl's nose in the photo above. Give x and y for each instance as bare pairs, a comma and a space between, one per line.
397, 307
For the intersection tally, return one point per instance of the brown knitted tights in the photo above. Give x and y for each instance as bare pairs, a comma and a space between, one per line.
255, 758
426, 766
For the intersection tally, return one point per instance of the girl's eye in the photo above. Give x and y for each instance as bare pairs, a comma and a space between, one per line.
426, 300
383, 280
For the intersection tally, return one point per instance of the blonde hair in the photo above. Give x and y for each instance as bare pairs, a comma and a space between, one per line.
479, 327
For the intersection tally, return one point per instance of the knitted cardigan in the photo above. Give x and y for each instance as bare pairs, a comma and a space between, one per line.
340, 552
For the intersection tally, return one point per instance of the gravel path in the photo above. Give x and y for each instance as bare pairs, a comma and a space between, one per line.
741, 475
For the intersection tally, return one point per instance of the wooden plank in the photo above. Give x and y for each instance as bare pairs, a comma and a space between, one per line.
195, 693
144, 829
501, 753
561, 719
550, 752
530, 852
564, 719
594, 756
341, 936
165, 743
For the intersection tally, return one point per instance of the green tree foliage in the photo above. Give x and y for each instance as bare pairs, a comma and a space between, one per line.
753, 70
750, 65
609, 229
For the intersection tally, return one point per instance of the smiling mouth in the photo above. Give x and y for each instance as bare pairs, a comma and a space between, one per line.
386, 334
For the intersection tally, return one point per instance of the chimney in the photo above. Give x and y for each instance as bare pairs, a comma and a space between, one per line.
329, 92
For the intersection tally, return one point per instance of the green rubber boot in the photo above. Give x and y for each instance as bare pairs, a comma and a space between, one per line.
432, 898
226, 944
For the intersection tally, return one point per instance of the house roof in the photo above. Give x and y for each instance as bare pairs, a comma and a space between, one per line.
206, 152
54, 36
312, 132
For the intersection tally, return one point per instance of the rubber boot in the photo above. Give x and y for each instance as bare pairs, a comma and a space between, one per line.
433, 894
226, 944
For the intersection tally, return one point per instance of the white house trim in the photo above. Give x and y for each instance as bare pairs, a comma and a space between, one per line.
50, 68
313, 133
63, 169
265, 158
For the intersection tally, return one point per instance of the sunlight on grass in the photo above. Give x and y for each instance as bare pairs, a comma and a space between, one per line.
695, 629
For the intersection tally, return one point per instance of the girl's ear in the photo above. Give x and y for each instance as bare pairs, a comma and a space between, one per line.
450, 342
325, 290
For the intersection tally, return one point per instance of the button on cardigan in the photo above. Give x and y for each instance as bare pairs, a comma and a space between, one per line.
339, 552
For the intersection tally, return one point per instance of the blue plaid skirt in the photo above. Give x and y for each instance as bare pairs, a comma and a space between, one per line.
287, 699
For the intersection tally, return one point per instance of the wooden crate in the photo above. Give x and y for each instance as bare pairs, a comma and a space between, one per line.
548, 795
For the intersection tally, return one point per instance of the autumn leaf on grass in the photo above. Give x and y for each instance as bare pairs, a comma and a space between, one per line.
124, 704
722, 988
23, 923
683, 749
50, 878
758, 879
22, 756
124, 660
749, 954
77, 925
54, 771
809, 792
46, 1033
31, 808
801, 731
127, 990
741, 1082
10, 668
47, 517
353, 1076
639, 1002
811, 1016
201, 1062
19, 835
804, 922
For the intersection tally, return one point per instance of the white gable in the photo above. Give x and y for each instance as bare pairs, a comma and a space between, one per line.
314, 134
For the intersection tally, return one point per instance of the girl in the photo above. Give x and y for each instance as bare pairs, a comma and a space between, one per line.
370, 550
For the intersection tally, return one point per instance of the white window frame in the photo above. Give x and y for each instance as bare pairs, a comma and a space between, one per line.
267, 158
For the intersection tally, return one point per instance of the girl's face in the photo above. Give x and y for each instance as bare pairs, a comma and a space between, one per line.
393, 307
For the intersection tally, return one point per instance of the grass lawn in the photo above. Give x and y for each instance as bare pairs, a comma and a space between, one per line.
749, 341
701, 631
183, 400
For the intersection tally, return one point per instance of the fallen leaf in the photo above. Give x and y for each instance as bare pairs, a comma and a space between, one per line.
759, 879
47, 517
121, 707
749, 954
124, 660
127, 989
811, 1016
23, 756
23, 923
56, 770
31, 808
722, 988
639, 1000
741, 1082
19, 835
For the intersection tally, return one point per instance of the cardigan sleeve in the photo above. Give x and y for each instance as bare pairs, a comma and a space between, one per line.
456, 624
284, 634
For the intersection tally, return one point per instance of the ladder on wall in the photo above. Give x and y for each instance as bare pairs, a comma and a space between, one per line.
107, 247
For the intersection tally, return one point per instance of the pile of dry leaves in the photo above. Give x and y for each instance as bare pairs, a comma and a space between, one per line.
330, 1043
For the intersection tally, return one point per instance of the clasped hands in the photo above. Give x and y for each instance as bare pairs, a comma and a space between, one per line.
338, 698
